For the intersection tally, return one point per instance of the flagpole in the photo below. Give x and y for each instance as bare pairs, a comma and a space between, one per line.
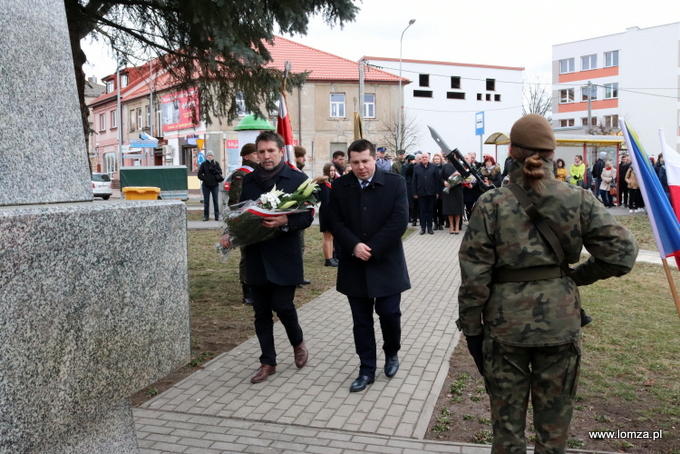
674, 291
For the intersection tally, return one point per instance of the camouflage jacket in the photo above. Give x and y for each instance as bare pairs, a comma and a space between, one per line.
501, 235
236, 180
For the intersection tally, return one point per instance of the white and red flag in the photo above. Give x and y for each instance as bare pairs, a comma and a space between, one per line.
284, 128
671, 159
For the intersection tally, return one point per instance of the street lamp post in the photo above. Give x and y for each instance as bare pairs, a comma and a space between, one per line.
401, 95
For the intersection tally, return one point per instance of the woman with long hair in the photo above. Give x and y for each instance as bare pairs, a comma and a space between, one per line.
561, 173
324, 183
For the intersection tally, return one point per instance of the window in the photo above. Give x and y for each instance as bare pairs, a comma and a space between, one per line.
424, 80
241, 105
123, 80
611, 91
455, 95
369, 106
455, 81
488, 96
109, 163
337, 105
566, 95
148, 116
588, 62
102, 122
567, 66
566, 123
611, 58
114, 118
584, 121
133, 120
496, 97
109, 86
479, 96
593, 93
611, 121
139, 118
491, 84
422, 93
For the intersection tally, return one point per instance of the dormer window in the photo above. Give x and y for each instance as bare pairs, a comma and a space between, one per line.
109, 86
123, 80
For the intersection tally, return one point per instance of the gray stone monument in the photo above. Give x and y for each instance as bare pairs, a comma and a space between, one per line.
93, 296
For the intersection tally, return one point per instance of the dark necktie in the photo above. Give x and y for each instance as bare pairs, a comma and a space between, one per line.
364, 183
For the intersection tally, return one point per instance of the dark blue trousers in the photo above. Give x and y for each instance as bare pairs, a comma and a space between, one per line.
207, 191
277, 298
388, 311
426, 203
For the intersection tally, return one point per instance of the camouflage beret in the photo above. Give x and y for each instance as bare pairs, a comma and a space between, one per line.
248, 148
533, 132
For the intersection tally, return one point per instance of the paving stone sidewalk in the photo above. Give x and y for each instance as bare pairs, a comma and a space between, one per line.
218, 410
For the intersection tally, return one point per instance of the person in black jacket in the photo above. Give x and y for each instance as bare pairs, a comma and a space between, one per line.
426, 191
369, 214
274, 266
624, 165
210, 174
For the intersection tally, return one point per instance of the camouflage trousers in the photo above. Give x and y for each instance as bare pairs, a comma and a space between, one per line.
550, 374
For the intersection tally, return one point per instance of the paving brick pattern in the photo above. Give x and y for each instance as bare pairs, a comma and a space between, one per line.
310, 410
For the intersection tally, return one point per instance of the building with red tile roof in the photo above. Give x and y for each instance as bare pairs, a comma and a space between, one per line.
321, 111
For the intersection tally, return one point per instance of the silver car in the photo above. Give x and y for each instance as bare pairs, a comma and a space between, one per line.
101, 185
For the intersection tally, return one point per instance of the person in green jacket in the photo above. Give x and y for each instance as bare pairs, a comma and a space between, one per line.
578, 171
518, 308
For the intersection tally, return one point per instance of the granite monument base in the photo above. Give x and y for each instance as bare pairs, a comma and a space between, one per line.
94, 307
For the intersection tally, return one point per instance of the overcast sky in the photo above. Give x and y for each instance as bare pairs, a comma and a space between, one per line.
516, 33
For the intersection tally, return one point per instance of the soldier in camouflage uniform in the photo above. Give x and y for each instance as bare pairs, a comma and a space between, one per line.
249, 163
525, 334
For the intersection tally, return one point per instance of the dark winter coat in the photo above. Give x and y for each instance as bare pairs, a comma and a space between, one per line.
378, 217
208, 171
278, 260
425, 180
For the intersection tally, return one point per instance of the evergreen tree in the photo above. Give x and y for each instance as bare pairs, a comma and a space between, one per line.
217, 46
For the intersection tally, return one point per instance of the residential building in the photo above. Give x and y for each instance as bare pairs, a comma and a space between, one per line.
448, 96
92, 91
633, 75
321, 112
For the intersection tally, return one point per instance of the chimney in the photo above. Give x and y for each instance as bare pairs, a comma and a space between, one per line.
93, 79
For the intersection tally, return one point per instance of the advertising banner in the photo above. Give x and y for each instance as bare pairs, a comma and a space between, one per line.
178, 110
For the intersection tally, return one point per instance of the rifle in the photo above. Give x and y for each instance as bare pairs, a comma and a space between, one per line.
458, 161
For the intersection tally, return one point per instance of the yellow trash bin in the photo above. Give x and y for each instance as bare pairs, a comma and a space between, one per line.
141, 193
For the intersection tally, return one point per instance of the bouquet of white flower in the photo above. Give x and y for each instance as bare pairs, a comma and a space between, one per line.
454, 180
243, 222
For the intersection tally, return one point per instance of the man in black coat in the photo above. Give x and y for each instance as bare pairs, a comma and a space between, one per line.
274, 267
426, 191
210, 174
369, 214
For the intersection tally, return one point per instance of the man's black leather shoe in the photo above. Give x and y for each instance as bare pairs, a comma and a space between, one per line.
305, 282
360, 383
391, 366
422, 232
430, 231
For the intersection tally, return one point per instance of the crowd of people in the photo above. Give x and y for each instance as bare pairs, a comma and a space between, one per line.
519, 304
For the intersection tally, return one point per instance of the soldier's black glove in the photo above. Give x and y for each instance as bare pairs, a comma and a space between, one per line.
474, 344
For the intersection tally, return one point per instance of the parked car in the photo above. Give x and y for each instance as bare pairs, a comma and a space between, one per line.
101, 185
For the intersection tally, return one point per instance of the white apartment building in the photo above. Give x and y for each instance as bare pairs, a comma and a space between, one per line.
634, 76
448, 97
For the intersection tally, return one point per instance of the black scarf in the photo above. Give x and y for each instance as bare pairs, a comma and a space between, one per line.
264, 177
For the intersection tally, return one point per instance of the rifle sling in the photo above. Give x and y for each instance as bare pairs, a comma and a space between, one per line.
540, 272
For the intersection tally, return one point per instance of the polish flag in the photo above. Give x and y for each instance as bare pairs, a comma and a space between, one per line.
671, 159
285, 130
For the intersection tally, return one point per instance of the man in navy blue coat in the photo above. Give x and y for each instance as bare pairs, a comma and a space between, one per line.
426, 190
369, 215
274, 267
